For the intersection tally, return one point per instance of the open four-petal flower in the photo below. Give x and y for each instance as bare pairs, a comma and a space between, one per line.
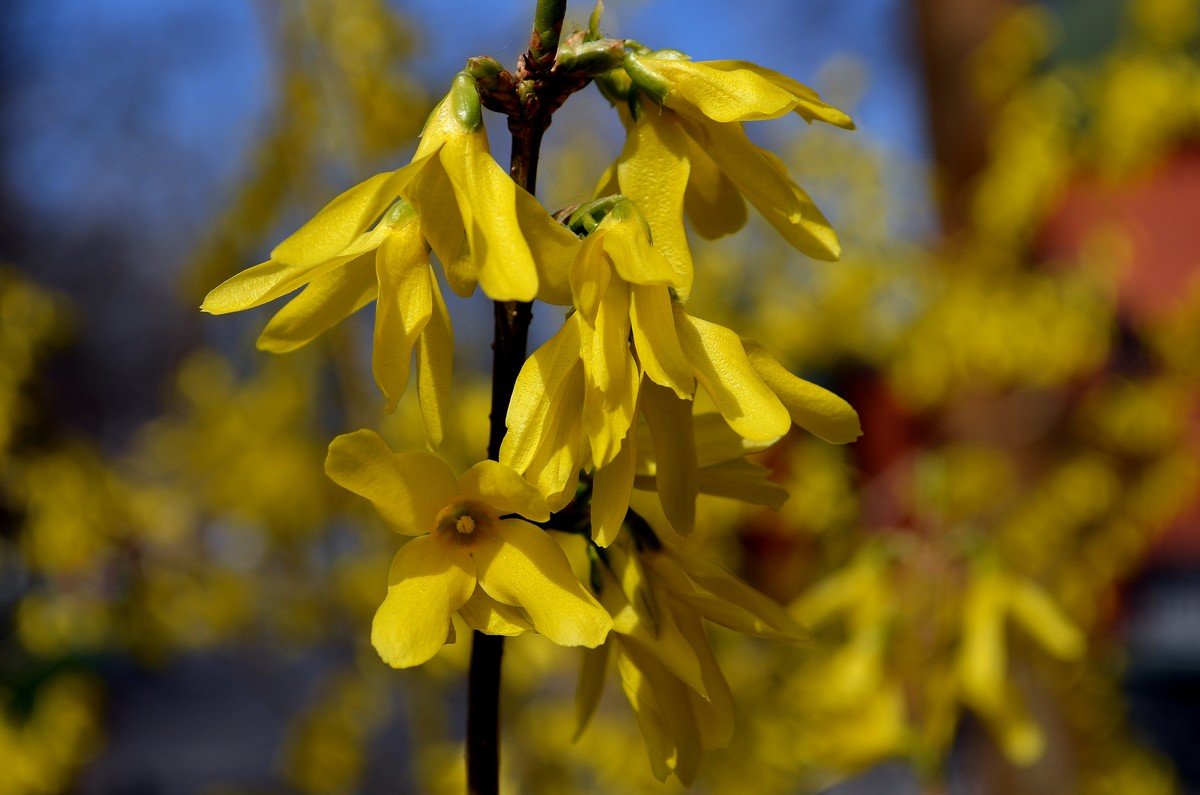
472, 555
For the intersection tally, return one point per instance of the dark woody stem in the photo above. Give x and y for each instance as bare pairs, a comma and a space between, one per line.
508, 354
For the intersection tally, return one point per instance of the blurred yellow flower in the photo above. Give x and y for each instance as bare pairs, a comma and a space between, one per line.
523, 576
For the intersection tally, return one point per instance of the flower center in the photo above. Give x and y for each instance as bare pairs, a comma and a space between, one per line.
461, 521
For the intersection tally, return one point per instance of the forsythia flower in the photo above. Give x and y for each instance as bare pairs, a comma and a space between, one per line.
372, 242
991, 597
659, 598
462, 542
694, 156
628, 326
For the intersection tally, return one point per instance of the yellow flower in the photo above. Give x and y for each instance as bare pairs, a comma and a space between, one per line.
631, 349
693, 155
992, 596
372, 243
523, 577
659, 598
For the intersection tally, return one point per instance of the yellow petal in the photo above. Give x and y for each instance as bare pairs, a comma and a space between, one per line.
721, 95
487, 201
326, 301
612, 485
725, 599
407, 489
427, 583
712, 200
809, 105
675, 475
661, 639
501, 487
403, 310
522, 566
783, 203
610, 374
435, 366
432, 193
744, 481
657, 341
660, 746
553, 246
607, 184
722, 368
653, 173
486, 615
262, 283
714, 712
717, 443
813, 408
545, 431
345, 218
658, 693
627, 244
592, 672
590, 275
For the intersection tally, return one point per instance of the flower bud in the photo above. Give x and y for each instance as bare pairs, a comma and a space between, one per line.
464, 100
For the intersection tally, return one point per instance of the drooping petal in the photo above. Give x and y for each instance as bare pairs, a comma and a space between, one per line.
675, 475
545, 431
520, 565
722, 95
714, 713
744, 481
486, 615
783, 203
432, 193
717, 443
722, 368
610, 374
590, 276
427, 583
403, 310
407, 489
712, 200
809, 105
435, 366
612, 486
342, 220
553, 246
487, 201
722, 597
659, 697
626, 240
593, 670
325, 302
502, 488
653, 172
813, 408
660, 639
657, 342
660, 746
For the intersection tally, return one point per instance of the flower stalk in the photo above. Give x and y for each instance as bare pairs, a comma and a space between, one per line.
510, 336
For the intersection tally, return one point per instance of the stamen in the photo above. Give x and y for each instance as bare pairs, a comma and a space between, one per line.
465, 524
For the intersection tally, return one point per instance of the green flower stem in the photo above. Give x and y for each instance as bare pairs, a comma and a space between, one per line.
508, 354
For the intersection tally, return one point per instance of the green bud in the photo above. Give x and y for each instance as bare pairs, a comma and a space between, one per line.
594, 22
588, 216
648, 81
464, 101
484, 68
592, 58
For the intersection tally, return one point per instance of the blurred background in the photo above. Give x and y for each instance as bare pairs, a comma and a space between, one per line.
184, 598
